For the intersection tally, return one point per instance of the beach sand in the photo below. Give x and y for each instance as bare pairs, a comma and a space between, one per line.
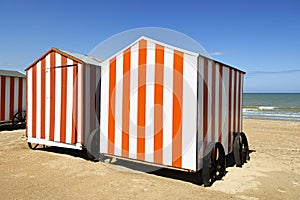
272, 173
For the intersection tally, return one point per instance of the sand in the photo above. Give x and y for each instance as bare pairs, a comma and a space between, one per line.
272, 173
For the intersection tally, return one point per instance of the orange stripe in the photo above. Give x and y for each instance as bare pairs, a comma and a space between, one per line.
205, 103
43, 97
111, 111
126, 103
158, 102
229, 112
213, 102
141, 116
64, 78
177, 109
12, 97
34, 101
20, 95
75, 105
52, 96
220, 102
2, 98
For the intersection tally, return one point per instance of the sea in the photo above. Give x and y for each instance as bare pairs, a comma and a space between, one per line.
272, 106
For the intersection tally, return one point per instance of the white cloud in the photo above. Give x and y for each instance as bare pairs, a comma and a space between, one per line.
216, 53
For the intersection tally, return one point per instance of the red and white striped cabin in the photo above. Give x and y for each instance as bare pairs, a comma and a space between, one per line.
12, 94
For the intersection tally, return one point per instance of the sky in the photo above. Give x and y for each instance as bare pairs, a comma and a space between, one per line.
260, 37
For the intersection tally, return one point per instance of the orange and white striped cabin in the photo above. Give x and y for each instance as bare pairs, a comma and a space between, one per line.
163, 105
61, 89
12, 94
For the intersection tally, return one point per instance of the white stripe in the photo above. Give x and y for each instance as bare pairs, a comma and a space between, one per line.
69, 100
104, 108
168, 107
38, 100
217, 75
209, 90
57, 98
7, 99
133, 101
200, 111
232, 108
79, 103
16, 94
87, 100
47, 114
29, 103
149, 121
225, 104
118, 105
189, 112
24, 94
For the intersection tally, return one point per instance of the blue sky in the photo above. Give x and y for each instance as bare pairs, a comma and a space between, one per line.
260, 37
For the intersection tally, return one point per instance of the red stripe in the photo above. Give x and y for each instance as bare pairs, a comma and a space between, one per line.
177, 109
220, 102
43, 97
20, 95
3, 88
126, 103
64, 78
205, 103
235, 103
141, 116
111, 106
12, 97
158, 102
240, 94
213, 102
75, 103
52, 95
229, 111
34, 101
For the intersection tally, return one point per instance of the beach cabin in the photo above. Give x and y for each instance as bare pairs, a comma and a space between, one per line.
12, 97
150, 102
62, 98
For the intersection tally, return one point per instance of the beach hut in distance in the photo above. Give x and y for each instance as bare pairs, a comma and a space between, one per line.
149, 102
12, 97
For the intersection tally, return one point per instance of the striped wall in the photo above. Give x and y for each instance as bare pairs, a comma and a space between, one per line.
149, 105
220, 90
60, 100
12, 96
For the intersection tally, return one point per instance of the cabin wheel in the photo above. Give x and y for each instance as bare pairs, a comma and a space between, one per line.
31, 146
214, 164
241, 149
93, 145
19, 117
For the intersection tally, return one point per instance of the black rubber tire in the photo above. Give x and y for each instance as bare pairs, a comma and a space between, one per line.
19, 117
240, 149
213, 168
93, 145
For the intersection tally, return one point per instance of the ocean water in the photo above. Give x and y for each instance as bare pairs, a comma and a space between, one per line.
273, 106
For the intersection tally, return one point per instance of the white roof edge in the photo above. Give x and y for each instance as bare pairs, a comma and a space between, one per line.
154, 41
